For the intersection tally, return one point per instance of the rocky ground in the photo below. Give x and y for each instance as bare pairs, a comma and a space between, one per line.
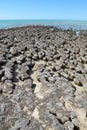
43, 79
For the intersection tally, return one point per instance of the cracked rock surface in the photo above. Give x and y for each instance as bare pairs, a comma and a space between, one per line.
43, 79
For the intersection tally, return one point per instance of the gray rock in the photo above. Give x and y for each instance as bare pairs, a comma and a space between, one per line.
19, 95
64, 119
22, 123
27, 83
23, 76
13, 51
2, 60
58, 126
76, 123
8, 87
2, 118
78, 81
1, 89
73, 115
34, 125
12, 128
20, 59
69, 125
85, 86
1, 73
8, 73
35, 57
51, 79
3, 79
60, 78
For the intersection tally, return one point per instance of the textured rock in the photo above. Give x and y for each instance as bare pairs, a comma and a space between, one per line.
1, 73
2, 60
8, 87
43, 79
22, 123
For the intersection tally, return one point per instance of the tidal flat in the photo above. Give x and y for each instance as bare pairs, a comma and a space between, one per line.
43, 79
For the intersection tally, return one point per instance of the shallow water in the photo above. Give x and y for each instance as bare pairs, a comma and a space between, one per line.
65, 24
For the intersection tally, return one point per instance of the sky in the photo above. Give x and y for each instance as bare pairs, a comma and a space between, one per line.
43, 9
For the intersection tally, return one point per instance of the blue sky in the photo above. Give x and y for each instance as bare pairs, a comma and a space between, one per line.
43, 9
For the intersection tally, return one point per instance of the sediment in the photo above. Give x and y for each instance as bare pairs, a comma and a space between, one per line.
43, 79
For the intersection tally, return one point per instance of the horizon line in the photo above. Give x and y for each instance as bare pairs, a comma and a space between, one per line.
47, 19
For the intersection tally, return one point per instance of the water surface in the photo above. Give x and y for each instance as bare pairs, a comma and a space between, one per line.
65, 24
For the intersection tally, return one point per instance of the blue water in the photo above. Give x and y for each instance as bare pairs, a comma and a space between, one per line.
65, 24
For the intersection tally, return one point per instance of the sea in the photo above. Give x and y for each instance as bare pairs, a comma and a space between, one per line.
63, 24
